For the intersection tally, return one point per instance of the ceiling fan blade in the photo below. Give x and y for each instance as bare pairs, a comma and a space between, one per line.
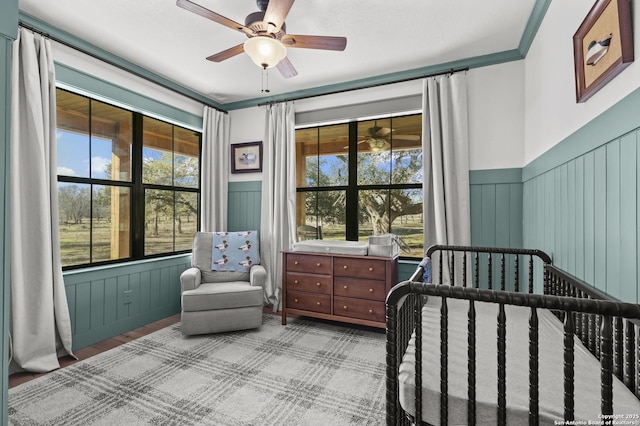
380, 131
226, 54
203, 11
276, 13
406, 137
286, 68
362, 141
314, 42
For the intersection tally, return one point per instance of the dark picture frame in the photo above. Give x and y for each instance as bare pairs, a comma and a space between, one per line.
602, 46
246, 157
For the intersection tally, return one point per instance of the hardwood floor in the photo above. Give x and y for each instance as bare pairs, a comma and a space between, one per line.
84, 353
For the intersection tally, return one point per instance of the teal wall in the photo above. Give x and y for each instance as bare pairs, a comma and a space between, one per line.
8, 32
496, 207
496, 201
581, 201
244, 206
96, 297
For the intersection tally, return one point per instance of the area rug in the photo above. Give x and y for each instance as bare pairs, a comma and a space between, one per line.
304, 373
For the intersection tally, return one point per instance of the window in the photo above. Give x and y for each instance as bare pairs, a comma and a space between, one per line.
128, 185
362, 178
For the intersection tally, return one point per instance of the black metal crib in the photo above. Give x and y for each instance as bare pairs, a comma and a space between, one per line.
606, 328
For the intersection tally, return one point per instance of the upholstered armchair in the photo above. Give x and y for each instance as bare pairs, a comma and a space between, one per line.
220, 300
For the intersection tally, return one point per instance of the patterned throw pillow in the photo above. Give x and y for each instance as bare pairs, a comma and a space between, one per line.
235, 251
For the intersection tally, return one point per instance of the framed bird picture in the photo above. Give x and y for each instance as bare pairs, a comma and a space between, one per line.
602, 46
246, 157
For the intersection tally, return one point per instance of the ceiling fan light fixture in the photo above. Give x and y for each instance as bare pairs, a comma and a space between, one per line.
378, 144
265, 51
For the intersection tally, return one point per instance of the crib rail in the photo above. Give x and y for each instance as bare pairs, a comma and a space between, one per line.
482, 266
623, 352
609, 311
466, 265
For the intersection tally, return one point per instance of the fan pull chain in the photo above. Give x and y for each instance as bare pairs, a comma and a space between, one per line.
265, 76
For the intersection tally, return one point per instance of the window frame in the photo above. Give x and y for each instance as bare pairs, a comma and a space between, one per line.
136, 188
353, 188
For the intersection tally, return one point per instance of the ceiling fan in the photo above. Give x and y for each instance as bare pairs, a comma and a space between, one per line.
267, 36
378, 138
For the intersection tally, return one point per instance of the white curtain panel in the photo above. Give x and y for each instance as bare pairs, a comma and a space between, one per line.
39, 316
445, 144
215, 170
278, 215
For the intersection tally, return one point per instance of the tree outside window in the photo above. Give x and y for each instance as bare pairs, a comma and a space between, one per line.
362, 178
114, 186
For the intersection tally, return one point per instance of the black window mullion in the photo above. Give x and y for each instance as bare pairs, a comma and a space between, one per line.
90, 184
137, 192
352, 188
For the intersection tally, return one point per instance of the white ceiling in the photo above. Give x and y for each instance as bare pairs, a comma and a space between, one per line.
384, 37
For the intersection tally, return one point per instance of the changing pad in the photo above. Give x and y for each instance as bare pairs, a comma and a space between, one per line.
333, 247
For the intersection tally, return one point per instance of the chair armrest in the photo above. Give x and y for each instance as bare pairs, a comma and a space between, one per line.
190, 279
258, 275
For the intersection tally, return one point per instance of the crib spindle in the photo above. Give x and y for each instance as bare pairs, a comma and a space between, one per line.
592, 333
618, 349
531, 274
630, 355
637, 379
417, 314
489, 271
533, 369
516, 273
569, 358
598, 336
393, 349
503, 284
464, 269
606, 366
440, 267
584, 324
502, 363
476, 270
452, 268
471, 364
444, 359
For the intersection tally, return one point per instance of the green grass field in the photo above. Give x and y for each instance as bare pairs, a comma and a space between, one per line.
75, 241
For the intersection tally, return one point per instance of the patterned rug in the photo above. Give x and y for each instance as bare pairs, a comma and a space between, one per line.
305, 373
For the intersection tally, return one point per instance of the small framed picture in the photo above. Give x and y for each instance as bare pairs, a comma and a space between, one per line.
602, 46
246, 157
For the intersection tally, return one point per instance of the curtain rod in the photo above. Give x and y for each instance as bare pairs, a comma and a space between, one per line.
451, 71
93, 55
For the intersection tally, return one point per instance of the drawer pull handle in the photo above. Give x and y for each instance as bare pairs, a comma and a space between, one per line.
318, 264
346, 287
370, 269
295, 263
370, 311
370, 290
295, 281
345, 266
295, 300
318, 284
346, 307
318, 303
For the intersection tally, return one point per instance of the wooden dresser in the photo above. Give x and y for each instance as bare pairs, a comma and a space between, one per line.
346, 288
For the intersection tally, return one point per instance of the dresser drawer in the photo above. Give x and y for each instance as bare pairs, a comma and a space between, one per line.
309, 264
359, 288
359, 268
309, 301
359, 308
309, 283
